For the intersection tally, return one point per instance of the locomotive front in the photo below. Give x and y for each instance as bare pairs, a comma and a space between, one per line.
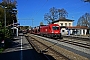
54, 31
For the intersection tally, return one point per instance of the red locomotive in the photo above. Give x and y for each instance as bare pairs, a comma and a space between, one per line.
51, 30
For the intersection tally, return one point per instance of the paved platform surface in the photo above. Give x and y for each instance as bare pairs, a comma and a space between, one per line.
20, 50
76, 49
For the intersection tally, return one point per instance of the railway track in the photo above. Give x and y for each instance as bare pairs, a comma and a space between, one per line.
78, 38
46, 50
46, 47
77, 43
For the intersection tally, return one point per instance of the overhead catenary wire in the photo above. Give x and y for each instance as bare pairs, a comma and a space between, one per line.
35, 12
40, 8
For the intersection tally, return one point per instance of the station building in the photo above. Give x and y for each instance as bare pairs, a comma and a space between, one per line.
67, 27
77, 30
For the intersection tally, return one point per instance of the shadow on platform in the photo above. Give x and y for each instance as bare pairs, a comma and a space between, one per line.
14, 52
29, 54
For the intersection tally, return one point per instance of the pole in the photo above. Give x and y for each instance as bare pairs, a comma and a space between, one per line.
5, 21
5, 16
13, 26
5, 26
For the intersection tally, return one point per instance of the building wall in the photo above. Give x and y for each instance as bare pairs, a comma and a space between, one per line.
78, 31
64, 31
71, 31
64, 23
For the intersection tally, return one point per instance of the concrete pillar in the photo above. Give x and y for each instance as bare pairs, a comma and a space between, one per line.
85, 31
17, 32
81, 31
75, 32
71, 31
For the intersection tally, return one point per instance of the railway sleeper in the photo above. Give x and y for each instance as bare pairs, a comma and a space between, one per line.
65, 52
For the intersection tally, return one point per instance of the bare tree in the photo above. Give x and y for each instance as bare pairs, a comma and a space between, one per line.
62, 13
84, 20
86, 1
41, 23
46, 17
51, 16
55, 14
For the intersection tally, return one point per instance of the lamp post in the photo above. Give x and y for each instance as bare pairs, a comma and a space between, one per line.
5, 15
4, 23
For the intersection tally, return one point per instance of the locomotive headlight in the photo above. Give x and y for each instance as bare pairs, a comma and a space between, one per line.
52, 32
56, 32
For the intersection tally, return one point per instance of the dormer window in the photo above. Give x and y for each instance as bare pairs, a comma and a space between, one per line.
61, 24
69, 24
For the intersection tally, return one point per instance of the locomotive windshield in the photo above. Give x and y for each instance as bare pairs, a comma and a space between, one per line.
55, 27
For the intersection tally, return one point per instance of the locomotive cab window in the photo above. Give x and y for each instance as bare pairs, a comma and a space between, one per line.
55, 27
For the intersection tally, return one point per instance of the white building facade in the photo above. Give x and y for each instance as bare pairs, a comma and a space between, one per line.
67, 27
64, 23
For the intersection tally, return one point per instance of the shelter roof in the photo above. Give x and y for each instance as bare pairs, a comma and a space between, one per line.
77, 27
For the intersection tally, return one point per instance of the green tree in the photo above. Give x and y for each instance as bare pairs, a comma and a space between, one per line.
5, 32
10, 11
1, 15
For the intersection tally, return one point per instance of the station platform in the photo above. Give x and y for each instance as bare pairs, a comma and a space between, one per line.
20, 50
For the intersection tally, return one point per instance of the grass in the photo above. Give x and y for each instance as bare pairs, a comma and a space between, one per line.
1, 50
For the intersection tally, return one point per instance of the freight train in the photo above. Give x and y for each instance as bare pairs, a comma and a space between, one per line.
51, 30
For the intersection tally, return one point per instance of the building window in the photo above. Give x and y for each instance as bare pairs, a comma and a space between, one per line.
65, 24
69, 24
61, 24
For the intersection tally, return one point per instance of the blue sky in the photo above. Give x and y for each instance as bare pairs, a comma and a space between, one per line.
35, 9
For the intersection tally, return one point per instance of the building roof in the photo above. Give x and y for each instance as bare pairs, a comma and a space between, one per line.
62, 20
77, 27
